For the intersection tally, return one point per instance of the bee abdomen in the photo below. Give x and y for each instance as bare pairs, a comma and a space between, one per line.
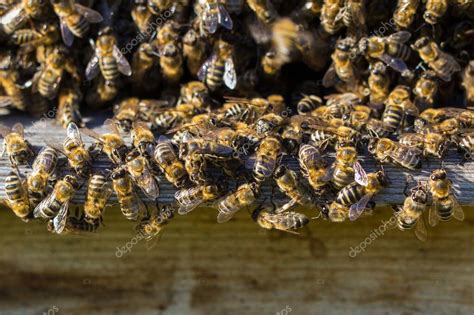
392, 117
13, 187
78, 26
109, 68
349, 195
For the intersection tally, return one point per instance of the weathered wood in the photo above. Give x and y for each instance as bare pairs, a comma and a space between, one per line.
462, 176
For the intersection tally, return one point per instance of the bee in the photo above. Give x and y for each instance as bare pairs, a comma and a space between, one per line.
132, 109
74, 19
435, 10
194, 51
359, 117
347, 168
391, 50
219, 68
112, 144
376, 128
449, 127
18, 149
385, 150
266, 159
289, 39
271, 63
425, 90
342, 66
468, 83
441, 62
323, 135
194, 92
190, 198
245, 196
308, 103
76, 226
264, 10
379, 83
207, 147
268, 124
158, 6
432, 144
166, 158
288, 221
244, 110
152, 226
130, 203
101, 93
43, 170
291, 185
168, 119
16, 191
48, 79
141, 16
19, 14
68, 107
329, 12
46, 34
353, 15
445, 205
56, 204
314, 167
171, 62
98, 193
214, 14
139, 169
465, 143
410, 214
462, 117
295, 132
107, 58
145, 68
13, 92
463, 7
397, 106
143, 139
353, 199
405, 13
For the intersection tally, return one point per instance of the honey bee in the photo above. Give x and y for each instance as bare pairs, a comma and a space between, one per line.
266, 159
245, 196
139, 169
107, 58
19, 14
288, 221
171, 62
47, 81
76, 226
13, 92
268, 124
462, 118
329, 12
468, 83
449, 127
405, 13
145, 69
190, 198
219, 68
397, 106
18, 149
353, 15
195, 93
101, 93
290, 184
143, 139
359, 117
207, 147
16, 191
289, 40
385, 150
56, 204
112, 144
465, 142
133, 109
425, 90
74, 19
445, 205
271, 63
435, 10
379, 83
463, 7
152, 226
157, 6
194, 51
342, 66
130, 203
410, 214
43, 170
353, 199
214, 14
391, 50
264, 10
347, 168
441, 62
376, 128
324, 135
46, 34
432, 144
68, 107
141, 16
314, 167
169, 163
98, 193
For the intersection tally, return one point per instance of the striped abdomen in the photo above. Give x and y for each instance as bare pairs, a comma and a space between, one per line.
48, 83
108, 67
77, 24
398, 51
342, 176
264, 167
392, 117
14, 189
350, 194
308, 104
215, 74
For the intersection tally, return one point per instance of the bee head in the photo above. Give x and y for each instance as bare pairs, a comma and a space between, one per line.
420, 43
132, 155
125, 124
105, 31
429, 17
419, 195
72, 180
116, 174
439, 174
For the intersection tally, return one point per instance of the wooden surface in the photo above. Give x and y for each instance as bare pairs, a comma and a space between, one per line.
200, 268
462, 176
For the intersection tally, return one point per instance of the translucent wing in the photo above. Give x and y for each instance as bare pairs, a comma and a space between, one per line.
152, 240
112, 126
5, 131
60, 219
19, 129
250, 161
6, 101
66, 34
433, 217
187, 207
203, 70
210, 18
92, 69
223, 17
122, 62
340, 14
230, 77
360, 175
223, 217
91, 133
458, 213
399, 37
90, 15
286, 206
420, 230
356, 209
73, 132
330, 77
15, 14
396, 64
38, 211
148, 184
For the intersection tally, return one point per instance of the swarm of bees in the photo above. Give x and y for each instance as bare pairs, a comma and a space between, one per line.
214, 92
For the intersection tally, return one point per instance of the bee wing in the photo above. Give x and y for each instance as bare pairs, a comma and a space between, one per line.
203, 70
286, 206
112, 125
399, 37
66, 34
329, 173
92, 69
356, 209
420, 229
250, 161
90, 133
230, 77
433, 217
330, 77
73, 132
37, 212
396, 64
19, 129
223, 17
13, 15
5, 131
122, 62
458, 213
340, 14
210, 19
223, 217
6, 101
60, 219
360, 175
90, 15
148, 184
56, 147
186, 208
